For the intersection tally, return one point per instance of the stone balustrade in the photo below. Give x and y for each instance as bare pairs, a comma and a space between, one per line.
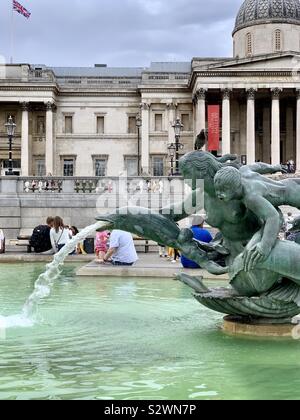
90, 185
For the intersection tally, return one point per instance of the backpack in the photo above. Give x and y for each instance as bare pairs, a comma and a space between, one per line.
40, 239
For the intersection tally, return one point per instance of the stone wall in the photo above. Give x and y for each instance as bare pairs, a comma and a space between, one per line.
26, 203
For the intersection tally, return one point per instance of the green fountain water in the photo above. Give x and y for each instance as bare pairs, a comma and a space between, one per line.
132, 339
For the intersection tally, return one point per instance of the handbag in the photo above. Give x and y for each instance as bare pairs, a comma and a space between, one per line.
57, 242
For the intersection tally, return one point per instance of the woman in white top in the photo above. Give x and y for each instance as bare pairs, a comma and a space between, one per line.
59, 234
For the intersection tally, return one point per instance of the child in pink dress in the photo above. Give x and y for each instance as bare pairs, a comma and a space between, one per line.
101, 245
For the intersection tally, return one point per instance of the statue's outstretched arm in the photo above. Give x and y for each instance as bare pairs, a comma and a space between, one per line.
193, 203
265, 212
263, 168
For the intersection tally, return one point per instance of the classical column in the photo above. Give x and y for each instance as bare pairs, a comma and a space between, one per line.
226, 136
49, 139
171, 119
200, 98
267, 134
289, 142
275, 135
25, 140
145, 161
298, 133
250, 126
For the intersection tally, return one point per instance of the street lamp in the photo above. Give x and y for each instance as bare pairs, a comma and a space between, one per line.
172, 152
10, 127
178, 126
138, 126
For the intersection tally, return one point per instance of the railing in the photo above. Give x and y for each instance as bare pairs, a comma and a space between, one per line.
42, 185
91, 185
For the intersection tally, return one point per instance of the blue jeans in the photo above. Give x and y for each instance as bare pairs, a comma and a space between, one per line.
118, 263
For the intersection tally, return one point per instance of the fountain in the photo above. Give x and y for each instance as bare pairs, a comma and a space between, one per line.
241, 202
43, 284
264, 272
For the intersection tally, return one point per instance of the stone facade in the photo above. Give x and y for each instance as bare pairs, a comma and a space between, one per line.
82, 121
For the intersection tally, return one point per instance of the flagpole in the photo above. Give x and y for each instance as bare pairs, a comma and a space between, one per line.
12, 30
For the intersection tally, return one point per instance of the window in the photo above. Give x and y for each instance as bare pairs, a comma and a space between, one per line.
100, 166
185, 120
68, 167
100, 125
278, 40
158, 122
158, 165
40, 167
249, 44
131, 166
68, 125
38, 72
132, 129
16, 164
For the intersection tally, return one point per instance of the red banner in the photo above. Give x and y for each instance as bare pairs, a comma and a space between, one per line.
213, 128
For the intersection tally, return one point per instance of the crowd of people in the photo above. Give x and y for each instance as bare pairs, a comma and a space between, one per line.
117, 247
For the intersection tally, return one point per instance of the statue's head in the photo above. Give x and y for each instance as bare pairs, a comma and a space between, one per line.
228, 183
199, 165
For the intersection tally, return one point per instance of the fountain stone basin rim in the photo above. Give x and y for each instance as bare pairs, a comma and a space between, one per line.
260, 328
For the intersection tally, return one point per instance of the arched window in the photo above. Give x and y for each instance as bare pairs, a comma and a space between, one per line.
278, 40
249, 44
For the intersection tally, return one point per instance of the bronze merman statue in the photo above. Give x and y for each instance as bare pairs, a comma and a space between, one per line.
264, 272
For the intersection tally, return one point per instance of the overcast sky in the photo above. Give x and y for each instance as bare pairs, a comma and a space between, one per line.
118, 32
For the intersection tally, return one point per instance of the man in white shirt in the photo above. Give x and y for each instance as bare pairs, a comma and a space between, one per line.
122, 250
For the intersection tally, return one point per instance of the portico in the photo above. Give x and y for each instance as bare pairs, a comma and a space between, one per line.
260, 123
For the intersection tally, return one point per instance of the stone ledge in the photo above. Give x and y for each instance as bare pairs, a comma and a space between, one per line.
260, 330
142, 270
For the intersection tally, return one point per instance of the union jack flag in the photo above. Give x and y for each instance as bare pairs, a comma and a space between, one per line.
21, 9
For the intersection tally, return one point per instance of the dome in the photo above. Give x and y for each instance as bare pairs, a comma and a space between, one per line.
256, 12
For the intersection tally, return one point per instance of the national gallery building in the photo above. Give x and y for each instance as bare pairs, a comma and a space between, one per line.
83, 121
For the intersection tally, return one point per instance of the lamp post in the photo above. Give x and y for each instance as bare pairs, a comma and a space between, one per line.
172, 152
139, 125
10, 127
177, 128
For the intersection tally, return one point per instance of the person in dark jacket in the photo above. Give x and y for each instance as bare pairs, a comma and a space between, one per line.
40, 239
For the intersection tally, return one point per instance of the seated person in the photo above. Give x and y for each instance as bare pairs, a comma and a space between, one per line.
101, 245
200, 234
122, 250
40, 239
2, 242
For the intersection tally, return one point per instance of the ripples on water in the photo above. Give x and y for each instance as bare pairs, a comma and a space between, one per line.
132, 339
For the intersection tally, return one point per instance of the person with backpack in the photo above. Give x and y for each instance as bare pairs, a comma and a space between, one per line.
40, 239
59, 234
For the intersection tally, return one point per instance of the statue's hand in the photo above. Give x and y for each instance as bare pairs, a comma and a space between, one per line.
255, 255
282, 169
